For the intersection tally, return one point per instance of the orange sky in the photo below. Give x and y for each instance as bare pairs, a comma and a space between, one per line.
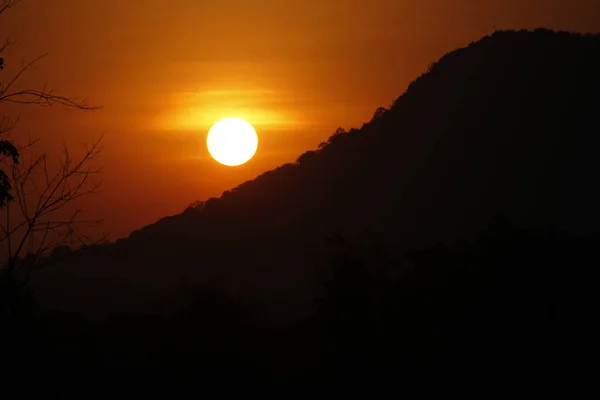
164, 71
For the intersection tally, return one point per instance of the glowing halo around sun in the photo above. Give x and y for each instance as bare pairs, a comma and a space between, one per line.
232, 141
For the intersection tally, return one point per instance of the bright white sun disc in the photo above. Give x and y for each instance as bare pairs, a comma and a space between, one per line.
232, 141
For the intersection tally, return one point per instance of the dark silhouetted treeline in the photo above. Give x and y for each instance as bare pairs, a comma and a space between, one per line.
511, 311
375, 265
506, 125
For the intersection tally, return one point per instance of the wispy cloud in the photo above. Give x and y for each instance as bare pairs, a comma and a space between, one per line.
198, 110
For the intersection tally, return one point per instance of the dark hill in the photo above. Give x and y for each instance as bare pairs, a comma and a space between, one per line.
508, 125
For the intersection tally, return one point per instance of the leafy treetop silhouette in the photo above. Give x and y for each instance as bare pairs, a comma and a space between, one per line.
504, 125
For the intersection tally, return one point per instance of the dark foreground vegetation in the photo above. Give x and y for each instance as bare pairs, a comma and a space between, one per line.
422, 290
513, 312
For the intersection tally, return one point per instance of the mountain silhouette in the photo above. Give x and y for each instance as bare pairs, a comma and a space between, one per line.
505, 126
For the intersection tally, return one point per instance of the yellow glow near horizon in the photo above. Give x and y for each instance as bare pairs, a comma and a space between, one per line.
194, 111
232, 141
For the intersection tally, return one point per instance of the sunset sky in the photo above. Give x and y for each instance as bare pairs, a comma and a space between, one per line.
165, 71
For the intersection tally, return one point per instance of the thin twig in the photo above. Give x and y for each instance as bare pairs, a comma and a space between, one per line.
66, 185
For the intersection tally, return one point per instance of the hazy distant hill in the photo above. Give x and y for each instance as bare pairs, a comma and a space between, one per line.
509, 124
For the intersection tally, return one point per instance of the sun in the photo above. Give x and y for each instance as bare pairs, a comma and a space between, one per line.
232, 141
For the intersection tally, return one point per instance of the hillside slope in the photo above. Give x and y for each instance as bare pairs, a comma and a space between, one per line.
506, 125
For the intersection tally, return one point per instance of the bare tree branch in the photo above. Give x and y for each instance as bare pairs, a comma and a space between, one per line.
7, 4
47, 212
45, 219
40, 97
7, 43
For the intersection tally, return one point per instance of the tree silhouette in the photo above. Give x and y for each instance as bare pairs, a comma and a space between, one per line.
44, 219
379, 113
447, 299
7, 149
41, 192
10, 94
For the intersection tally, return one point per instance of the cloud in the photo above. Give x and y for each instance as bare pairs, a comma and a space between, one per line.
198, 110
